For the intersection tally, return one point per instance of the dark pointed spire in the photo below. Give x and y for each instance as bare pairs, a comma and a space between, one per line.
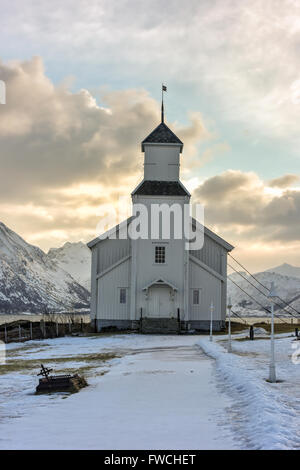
162, 135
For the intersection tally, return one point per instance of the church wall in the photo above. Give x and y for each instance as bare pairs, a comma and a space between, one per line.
94, 283
210, 254
161, 162
146, 269
210, 290
111, 251
108, 293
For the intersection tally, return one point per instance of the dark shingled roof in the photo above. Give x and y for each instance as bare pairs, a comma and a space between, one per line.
161, 188
162, 135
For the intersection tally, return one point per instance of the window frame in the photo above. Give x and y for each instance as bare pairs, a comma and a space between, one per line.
122, 295
159, 254
196, 291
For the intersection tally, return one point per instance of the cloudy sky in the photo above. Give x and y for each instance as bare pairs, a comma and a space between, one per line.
83, 83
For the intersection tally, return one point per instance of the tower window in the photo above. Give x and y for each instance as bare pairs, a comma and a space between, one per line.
123, 295
160, 254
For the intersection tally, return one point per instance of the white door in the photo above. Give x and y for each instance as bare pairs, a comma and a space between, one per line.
160, 304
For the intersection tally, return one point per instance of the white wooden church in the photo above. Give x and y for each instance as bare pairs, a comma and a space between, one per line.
156, 285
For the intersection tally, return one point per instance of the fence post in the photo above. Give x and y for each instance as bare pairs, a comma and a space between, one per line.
20, 334
251, 332
42, 328
81, 324
5, 334
30, 330
95, 325
141, 320
57, 328
296, 332
70, 327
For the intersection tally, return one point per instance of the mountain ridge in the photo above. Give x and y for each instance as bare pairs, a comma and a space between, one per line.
31, 282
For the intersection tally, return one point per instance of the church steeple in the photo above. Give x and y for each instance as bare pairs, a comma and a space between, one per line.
163, 88
162, 134
162, 149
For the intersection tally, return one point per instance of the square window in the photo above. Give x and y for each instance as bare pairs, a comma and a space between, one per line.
123, 295
196, 297
160, 254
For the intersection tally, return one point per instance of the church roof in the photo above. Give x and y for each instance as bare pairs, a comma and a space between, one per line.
195, 223
209, 233
161, 188
162, 134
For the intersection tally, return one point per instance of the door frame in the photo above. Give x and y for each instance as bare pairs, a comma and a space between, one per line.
163, 284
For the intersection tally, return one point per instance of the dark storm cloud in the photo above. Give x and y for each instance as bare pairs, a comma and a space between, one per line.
241, 204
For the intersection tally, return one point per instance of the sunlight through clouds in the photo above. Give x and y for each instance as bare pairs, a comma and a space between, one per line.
83, 87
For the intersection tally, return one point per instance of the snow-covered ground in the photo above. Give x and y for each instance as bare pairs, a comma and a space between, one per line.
159, 393
267, 415
153, 392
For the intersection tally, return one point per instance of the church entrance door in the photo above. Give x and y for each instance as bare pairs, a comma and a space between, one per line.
160, 302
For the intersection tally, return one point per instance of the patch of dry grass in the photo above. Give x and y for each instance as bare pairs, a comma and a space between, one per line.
93, 360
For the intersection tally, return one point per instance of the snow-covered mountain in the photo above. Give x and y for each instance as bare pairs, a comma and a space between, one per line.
286, 270
75, 258
30, 281
287, 287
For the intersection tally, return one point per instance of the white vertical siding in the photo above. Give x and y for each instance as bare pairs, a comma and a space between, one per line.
108, 301
162, 162
210, 291
94, 270
210, 254
111, 251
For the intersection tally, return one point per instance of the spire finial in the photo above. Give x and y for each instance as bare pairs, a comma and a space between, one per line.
163, 88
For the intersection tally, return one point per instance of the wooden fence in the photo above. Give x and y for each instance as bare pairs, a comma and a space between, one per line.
23, 330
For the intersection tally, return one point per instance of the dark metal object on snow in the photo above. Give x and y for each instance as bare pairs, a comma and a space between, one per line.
59, 383
45, 372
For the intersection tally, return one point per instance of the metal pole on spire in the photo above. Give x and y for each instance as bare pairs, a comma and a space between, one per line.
163, 88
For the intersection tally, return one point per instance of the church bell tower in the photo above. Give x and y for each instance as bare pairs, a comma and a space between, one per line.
162, 152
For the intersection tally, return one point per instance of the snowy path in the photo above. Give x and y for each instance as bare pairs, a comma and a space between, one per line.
162, 394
